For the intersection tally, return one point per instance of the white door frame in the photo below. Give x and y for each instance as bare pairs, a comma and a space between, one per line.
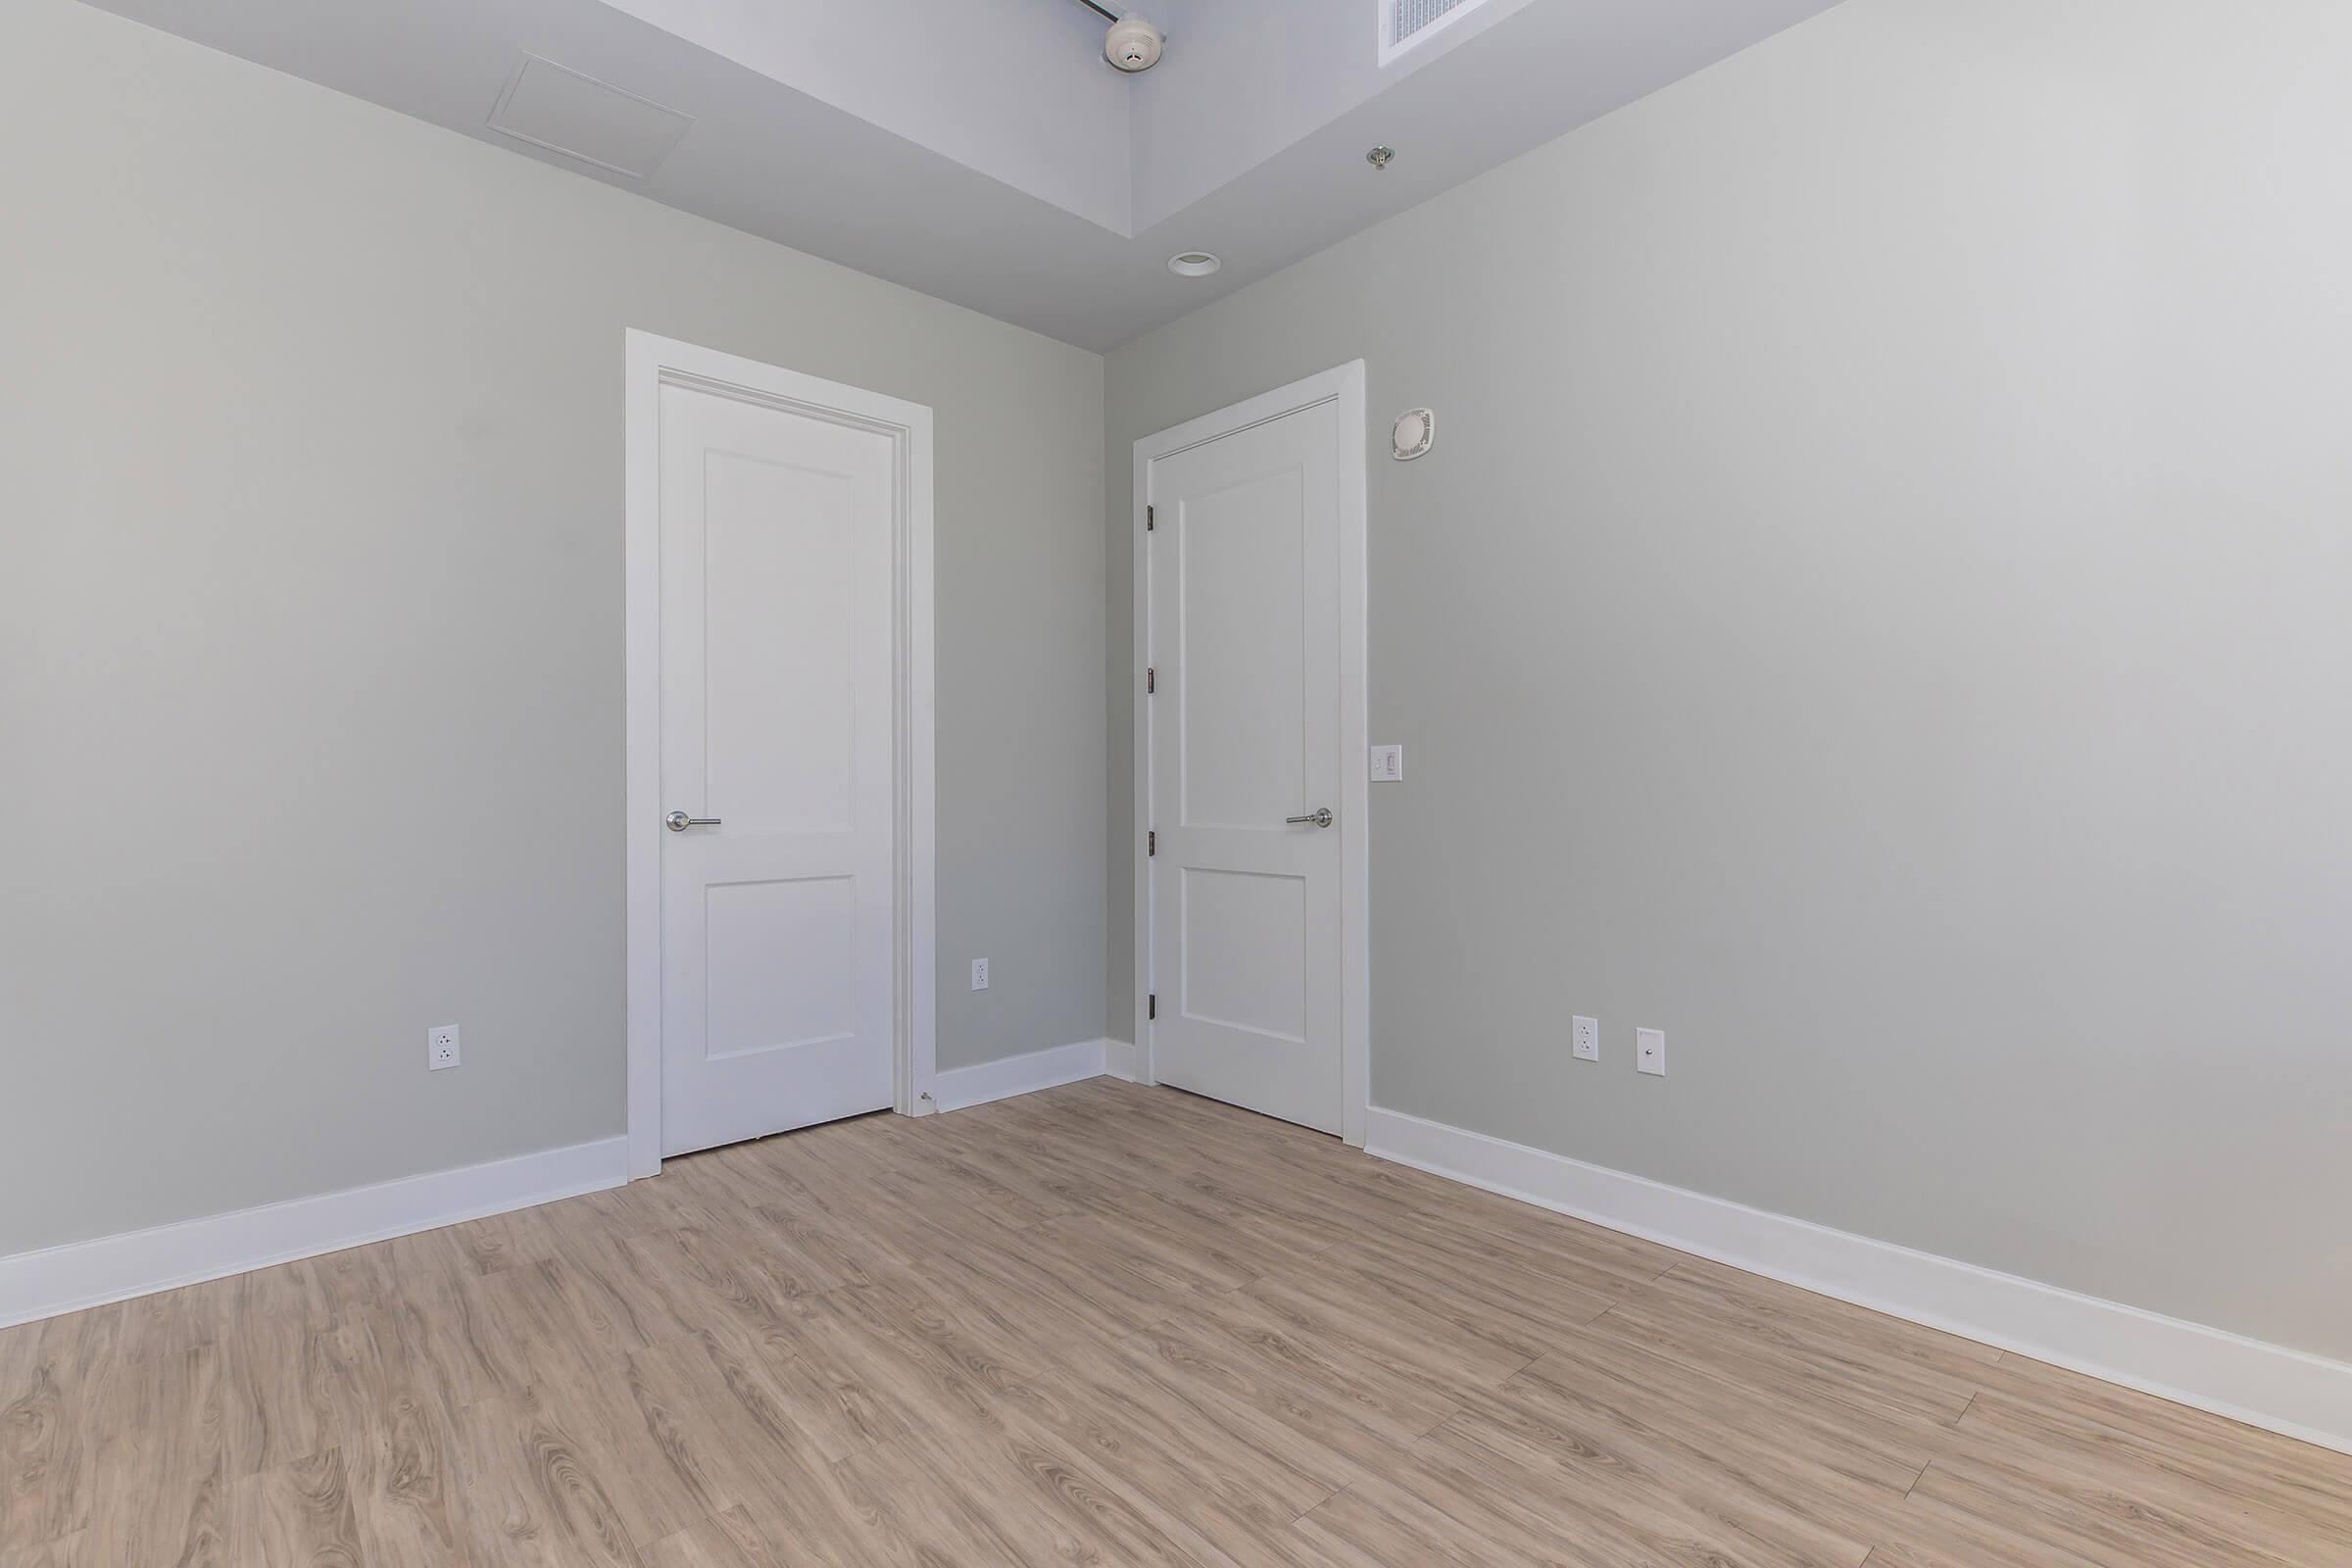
652, 364
1344, 387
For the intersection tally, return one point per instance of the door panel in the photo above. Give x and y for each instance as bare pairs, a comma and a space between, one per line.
754, 1003
1244, 945
776, 644
1240, 562
1245, 637
781, 615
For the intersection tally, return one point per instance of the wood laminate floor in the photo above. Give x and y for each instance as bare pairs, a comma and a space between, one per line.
1103, 1324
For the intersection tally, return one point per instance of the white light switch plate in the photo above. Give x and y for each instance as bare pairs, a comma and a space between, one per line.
1388, 764
1649, 1051
1586, 1041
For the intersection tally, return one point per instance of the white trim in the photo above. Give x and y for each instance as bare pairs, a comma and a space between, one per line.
1139, 742
1121, 1060
649, 362
961, 1088
1344, 386
2289, 1391
116, 1268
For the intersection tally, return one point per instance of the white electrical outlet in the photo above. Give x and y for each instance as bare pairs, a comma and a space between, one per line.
1649, 1051
441, 1047
979, 974
1585, 1042
1388, 764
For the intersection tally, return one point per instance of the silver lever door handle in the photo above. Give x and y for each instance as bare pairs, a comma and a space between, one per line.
1320, 816
679, 821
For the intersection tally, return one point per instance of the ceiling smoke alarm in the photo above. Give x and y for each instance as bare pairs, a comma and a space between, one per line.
1133, 44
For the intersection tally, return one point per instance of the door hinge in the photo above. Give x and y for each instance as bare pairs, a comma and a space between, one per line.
1152, 842
1152, 1005
1150, 680
1151, 520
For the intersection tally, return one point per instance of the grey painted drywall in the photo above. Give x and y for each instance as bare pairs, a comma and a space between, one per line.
311, 630
1876, 609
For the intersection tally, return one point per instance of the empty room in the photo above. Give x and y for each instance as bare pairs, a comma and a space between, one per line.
1248, 784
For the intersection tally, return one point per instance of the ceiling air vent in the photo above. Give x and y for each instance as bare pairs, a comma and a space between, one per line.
1406, 21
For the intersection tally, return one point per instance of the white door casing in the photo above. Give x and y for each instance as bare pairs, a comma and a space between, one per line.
1251, 616
779, 605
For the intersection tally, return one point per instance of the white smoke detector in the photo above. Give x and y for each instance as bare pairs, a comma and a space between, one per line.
1133, 44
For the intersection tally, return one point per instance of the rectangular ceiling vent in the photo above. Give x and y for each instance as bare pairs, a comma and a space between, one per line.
1409, 22
557, 108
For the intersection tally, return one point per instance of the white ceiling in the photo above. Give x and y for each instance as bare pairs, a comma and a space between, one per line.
1014, 89
981, 151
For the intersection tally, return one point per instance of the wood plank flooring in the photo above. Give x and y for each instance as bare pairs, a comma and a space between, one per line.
1103, 1324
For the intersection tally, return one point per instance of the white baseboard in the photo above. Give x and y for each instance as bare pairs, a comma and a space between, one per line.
1121, 1060
961, 1087
2289, 1391
114, 1268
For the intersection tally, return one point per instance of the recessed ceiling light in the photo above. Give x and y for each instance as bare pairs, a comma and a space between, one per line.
1193, 263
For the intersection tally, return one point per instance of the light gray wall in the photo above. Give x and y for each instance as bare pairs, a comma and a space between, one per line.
310, 629
1880, 608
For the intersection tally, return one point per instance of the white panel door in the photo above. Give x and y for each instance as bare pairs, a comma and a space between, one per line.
776, 639
1245, 642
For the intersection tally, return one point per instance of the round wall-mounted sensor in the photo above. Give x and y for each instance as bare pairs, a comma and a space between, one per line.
1415, 429
1193, 263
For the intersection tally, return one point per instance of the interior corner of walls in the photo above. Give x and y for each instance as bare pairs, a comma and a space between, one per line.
2279, 1388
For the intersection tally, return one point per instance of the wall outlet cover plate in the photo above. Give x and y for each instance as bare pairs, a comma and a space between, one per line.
1649, 1051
